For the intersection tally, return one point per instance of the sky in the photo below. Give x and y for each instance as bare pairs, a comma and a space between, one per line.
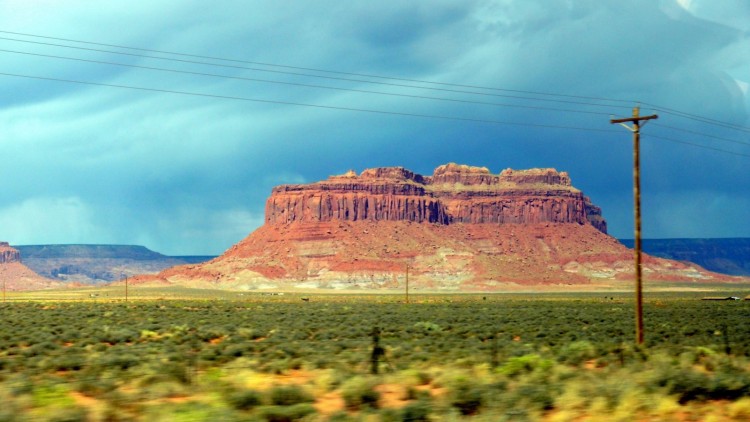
166, 123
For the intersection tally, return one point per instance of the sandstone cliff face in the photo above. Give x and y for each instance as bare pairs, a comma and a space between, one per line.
17, 276
453, 194
8, 254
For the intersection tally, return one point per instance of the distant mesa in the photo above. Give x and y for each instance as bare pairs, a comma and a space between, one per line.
462, 228
98, 264
723, 255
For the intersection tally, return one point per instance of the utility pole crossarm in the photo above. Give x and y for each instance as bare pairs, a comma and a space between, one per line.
634, 119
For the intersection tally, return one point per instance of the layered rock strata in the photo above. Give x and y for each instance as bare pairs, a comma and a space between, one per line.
462, 228
453, 194
8, 254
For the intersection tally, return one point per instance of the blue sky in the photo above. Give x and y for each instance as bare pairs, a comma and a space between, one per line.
189, 174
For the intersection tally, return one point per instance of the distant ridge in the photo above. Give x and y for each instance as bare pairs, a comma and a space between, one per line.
88, 251
94, 264
723, 255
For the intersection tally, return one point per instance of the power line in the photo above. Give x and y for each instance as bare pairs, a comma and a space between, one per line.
656, 107
385, 112
322, 70
304, 85
720, 138
698, 118
526, 98
698, 145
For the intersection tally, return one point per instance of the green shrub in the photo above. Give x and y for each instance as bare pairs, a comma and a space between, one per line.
244, 399
516, 366
118, 335
286, 413
176, 371
288, 395
341, 416
417, 411
691, 385
119, 360
184, 412
359, 392
728, 385
94, 386
54, 403
467, 398
235, 350
577, 352
536, 396
383, 415
68, 362
66, 414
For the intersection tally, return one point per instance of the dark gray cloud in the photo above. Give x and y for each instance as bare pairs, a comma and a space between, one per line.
190, 175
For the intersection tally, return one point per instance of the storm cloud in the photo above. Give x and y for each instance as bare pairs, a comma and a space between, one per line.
189, 174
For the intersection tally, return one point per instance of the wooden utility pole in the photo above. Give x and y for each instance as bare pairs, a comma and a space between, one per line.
636, 129
126, 289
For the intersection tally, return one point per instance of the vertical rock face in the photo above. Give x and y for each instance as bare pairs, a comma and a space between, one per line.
15, 275
453, 194
594, 215
8, 254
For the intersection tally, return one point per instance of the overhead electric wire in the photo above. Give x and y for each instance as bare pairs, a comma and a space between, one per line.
664, 138
305, 85
662, 109
321, 70
655, 107
373, 111
385, 112
313, 76
698, 118
720, 138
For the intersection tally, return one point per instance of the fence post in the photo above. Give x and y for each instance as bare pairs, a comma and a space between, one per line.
725, 332
493, 359
377, 351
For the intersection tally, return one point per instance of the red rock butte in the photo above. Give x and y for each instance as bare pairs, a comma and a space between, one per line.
463, 228
453, 194
16, 276
8, 254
